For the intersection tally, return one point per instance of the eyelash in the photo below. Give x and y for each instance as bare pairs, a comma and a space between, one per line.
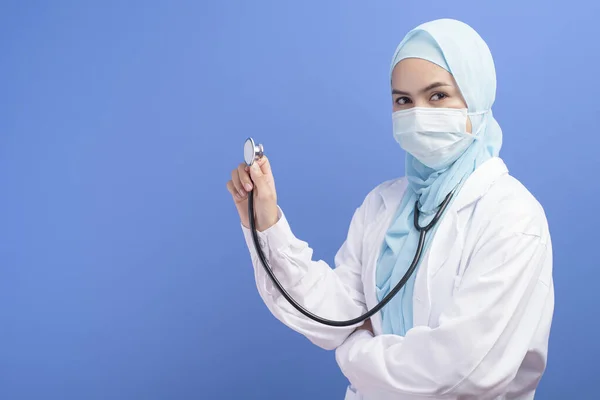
440, 94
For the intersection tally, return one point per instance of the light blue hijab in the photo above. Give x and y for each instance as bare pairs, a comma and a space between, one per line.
457, 48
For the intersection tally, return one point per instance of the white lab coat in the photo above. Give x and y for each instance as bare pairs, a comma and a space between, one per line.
483, 296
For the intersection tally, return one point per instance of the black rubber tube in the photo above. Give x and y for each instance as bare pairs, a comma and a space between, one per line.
422, 234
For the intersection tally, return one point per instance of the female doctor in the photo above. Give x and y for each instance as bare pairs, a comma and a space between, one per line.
473, 321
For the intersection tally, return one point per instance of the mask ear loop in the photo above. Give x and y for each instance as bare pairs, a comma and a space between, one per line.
482, 124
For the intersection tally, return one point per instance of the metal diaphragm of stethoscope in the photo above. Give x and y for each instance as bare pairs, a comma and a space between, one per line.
253, 152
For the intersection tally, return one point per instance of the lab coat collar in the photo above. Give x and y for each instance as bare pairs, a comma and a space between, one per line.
475, 187
480, 182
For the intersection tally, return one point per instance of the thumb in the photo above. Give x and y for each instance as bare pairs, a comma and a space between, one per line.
260, 171
264, 164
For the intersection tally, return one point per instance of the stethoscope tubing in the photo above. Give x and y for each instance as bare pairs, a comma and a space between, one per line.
422, 235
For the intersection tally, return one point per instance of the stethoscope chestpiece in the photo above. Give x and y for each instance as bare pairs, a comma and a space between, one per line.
252, 151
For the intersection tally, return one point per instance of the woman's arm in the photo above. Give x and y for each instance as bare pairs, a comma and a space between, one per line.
482, 337
329, 293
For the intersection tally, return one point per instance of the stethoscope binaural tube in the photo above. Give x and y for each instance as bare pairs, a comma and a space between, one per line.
253, 152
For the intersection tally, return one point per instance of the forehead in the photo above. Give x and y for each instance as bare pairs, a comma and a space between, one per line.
417, 73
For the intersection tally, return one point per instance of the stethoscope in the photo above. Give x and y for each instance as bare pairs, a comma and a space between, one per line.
253, 152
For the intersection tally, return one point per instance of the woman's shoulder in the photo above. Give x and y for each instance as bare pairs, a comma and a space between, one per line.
510, 191
512, 205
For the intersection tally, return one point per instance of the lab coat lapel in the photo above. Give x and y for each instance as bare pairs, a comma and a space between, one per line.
448, 238
447, 246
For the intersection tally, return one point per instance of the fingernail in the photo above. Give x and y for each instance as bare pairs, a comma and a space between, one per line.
248, 186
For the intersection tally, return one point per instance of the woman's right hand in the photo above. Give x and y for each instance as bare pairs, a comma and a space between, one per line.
260, 178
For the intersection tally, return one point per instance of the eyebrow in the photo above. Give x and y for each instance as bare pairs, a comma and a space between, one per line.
428, 88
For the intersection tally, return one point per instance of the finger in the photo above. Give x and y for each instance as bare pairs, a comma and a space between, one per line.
260, 169
244, 177
235, 177
231, 188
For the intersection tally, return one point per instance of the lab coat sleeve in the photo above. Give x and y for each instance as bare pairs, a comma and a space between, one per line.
482, 336
333, 293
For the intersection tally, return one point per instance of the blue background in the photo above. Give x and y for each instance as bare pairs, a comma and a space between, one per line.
123, 269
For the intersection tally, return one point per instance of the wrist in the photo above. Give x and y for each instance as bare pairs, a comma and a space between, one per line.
270, 219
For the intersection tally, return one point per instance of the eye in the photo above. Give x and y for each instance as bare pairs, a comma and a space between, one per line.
402, 101
438, 96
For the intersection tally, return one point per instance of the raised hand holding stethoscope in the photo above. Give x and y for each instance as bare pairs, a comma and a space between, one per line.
254, 176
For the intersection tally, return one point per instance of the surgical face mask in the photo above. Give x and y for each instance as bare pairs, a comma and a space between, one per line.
435, 136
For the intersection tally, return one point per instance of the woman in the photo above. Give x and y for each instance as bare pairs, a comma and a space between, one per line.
473, 321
